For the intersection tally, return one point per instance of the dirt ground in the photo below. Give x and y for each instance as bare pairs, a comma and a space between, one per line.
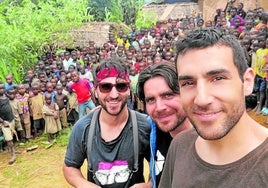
42, 167
37, 168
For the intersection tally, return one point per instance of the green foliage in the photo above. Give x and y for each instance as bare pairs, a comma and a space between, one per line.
31, 27
145, 19
28, 28
106, 10
115, 10
130, 9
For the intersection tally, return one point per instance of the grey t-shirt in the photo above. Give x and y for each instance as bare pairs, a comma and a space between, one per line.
113, 161
184, 168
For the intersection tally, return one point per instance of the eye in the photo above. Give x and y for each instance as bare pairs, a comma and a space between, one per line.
168, 95
149, 100
218, 78
186, 83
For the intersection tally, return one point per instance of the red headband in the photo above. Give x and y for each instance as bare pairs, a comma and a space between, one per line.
111, 72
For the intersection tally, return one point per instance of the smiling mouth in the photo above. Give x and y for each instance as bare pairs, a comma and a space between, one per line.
113, 101
164, 117
207, 116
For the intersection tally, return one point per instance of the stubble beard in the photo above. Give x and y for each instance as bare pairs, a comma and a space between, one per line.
225, 126
122, 106
179, 123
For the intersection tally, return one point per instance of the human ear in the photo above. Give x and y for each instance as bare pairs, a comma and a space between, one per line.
249, 76
96, 93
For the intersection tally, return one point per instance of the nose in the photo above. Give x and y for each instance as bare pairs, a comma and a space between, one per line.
159, 105
114, 92
202, 95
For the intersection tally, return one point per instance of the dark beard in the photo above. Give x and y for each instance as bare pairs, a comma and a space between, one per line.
179, 123
124, 103
229, 124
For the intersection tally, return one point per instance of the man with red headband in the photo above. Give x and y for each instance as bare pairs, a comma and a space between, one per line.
113, 139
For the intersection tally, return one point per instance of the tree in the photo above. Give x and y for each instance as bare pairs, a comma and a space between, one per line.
29, 27
115, 10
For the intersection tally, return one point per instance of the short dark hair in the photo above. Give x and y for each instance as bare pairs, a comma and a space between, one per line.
208, 37
161, 69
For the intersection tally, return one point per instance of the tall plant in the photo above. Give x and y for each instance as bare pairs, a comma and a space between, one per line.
145, 19
29, 26
115, 10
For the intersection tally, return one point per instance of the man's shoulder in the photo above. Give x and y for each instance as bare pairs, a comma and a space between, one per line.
81, 127
143, 121
85, 120
163, 135
189, 132
142, 115
142, 118
189, 135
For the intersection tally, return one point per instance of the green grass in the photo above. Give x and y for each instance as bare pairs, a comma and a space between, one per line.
63, 138
34, 165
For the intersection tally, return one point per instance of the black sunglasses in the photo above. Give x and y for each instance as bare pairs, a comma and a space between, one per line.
107, 87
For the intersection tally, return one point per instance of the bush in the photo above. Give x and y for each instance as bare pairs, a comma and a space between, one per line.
30, 28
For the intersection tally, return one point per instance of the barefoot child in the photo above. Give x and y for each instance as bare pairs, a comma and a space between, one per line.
6, 120
36, 103
18, 114
72, 114
62, 101
23, 99
51, 116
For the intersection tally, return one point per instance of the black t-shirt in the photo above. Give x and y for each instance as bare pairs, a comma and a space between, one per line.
113, 161
163, 141
5, 110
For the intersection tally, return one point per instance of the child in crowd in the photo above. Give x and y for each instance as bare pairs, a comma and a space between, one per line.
265, 108
43, 88
9, 83
17, 112
63, 82
72, 113
51, 116
1, 141
23, 99
6, 121
54, 81
259, 69
62, 102
83, 90
50, 90
36, 103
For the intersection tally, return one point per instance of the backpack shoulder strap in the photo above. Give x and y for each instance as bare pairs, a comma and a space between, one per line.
90, 135
135, 139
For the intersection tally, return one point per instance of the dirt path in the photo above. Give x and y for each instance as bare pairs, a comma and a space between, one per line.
38, 168
42, 167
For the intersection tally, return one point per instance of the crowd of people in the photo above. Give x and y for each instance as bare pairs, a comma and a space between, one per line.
65, 86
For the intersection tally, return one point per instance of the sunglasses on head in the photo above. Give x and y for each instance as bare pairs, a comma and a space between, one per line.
107, 87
